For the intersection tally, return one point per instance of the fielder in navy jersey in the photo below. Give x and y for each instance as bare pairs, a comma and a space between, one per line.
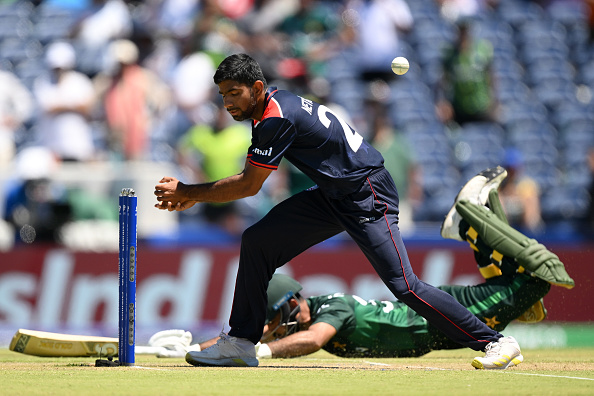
354, 193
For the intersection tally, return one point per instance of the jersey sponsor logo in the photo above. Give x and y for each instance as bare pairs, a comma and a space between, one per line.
366, 219
266, 153
307, 105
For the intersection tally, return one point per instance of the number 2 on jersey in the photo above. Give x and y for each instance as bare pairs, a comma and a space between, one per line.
353, 138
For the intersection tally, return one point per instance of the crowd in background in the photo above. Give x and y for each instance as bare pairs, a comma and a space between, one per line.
118, 81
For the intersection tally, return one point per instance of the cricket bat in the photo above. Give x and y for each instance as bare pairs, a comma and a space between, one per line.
41, 343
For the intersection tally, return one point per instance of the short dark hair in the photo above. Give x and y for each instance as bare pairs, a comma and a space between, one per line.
241, 68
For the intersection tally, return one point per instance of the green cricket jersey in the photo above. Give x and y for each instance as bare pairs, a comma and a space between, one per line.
370, 328
391, 329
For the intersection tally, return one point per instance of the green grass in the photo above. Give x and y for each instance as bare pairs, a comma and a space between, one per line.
544, 372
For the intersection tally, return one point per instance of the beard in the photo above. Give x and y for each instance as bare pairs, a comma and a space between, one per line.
249, 112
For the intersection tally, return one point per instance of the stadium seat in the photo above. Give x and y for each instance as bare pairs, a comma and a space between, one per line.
566, 202
517, 13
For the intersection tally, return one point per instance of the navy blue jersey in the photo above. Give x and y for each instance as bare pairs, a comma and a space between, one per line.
315, 140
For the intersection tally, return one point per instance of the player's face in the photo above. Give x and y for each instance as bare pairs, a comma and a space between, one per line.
272, 331
238, 99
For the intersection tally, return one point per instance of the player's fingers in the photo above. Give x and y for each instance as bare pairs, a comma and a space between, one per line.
166, 179
163, 184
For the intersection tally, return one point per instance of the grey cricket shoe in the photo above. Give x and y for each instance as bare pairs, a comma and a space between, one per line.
476, 191
227, 352
500, 355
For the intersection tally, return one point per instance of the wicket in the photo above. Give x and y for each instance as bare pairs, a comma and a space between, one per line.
128, 215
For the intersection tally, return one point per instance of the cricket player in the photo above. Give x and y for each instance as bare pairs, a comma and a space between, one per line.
348, 326
354, 193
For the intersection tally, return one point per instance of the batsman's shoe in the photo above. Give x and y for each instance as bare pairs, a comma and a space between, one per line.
500, 355
476, 191
517, 360
229, 351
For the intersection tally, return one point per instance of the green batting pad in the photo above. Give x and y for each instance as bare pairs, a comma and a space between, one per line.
496, 207
531, 256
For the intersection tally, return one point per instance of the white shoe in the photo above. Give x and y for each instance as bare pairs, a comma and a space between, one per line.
515, 361
500, 355
476, 191
228, 351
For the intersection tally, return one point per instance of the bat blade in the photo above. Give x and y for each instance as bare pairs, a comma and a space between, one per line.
41, 343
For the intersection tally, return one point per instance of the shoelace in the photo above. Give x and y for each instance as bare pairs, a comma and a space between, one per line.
224, 337
492, 348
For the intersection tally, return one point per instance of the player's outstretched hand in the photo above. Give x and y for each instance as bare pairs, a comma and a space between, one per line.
170, 194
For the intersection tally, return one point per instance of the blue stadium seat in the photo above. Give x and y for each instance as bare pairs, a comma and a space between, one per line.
518, 113
586, 72
29, 69
568, 12
553, 93
517, 13
577, 135
53, 23
566, 202
572, 113
508, 68
510, 90
532, 135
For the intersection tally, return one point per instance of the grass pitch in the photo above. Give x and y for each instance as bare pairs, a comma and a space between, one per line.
544, 372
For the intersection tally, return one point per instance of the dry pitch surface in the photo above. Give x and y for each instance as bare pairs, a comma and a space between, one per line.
544, 372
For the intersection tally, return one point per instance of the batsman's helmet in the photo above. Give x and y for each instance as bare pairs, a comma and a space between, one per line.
281, 289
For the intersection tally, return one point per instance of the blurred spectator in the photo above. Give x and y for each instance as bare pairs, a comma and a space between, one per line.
16, 107
66, 98
36, 207
590, 8
269, 14
176, 16
588, 225
399, 160
466, 91
103, 22
193, 90
314, 33
133, 98
379, 25
453, 10
214, 152
520, 195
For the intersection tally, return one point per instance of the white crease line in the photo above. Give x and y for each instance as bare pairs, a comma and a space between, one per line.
548, 375
149, 368
376, 363
409, 367
429, 368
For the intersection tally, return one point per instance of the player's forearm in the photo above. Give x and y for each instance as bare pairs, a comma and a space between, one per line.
224, 190
297, 344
